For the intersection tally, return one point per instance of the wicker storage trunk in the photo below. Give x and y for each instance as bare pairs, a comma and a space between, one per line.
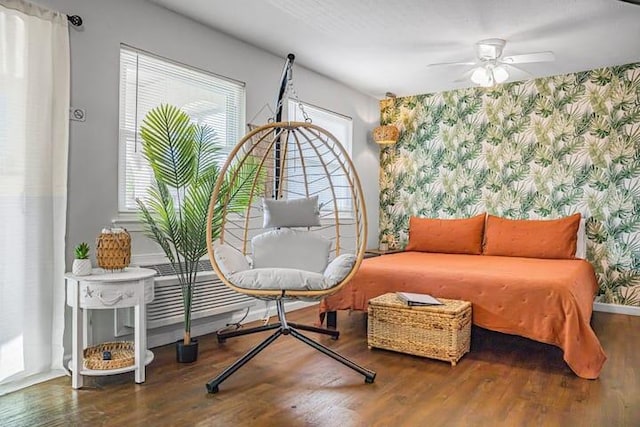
440, 332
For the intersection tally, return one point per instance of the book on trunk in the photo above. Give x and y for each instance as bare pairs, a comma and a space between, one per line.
421, 300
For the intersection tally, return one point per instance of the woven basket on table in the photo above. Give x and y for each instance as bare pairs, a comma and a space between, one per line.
113, 249
122, 355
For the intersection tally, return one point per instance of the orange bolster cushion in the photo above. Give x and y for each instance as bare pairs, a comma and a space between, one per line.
449, 236
555, 239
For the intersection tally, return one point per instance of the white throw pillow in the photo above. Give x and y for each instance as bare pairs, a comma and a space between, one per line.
286, 248
280, 278
230, 260
291, 213
339, 268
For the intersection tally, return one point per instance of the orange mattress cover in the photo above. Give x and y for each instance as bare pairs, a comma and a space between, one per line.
547, 300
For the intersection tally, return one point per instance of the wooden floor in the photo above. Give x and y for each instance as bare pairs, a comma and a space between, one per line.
504, 380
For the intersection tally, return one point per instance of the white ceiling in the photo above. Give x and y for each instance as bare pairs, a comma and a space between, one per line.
377, 46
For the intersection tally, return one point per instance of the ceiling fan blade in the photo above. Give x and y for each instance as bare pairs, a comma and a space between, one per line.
465, 76
442, 64
511, 67
529, 57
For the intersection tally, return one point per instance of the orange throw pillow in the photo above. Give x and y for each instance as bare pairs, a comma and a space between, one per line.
529, 238
449, 236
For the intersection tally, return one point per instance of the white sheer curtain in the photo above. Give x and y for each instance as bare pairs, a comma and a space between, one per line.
34, 110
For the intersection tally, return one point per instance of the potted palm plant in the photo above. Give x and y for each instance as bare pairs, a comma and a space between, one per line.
185, 159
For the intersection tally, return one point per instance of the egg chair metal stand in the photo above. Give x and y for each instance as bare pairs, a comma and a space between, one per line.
284, 328
285, 161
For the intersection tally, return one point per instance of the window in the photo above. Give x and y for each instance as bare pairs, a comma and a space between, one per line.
342, 128
147, 81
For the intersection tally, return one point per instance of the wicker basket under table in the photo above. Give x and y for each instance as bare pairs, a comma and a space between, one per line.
440, 332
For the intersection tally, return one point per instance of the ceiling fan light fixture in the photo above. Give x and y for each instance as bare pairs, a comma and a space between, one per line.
481, 76
500, 74
489, 75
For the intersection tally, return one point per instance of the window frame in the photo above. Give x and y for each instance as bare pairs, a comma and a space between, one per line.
124, 133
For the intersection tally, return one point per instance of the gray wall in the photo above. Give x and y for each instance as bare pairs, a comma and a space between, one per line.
93, 155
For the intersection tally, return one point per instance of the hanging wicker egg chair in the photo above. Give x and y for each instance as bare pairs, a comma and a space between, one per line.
292, 226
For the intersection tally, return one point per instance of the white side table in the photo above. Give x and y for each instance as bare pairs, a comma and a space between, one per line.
131, 287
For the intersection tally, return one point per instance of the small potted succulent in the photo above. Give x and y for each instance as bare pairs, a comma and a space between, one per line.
82, 263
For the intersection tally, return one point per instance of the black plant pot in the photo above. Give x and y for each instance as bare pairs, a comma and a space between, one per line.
187, 353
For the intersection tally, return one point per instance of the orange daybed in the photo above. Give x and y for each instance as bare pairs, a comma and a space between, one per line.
545, 299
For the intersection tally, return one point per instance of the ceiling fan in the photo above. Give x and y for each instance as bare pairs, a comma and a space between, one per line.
493, 68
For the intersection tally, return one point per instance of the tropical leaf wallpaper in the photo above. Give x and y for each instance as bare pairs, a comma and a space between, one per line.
542, 148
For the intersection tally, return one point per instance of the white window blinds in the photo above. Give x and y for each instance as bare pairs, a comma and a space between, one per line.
342, 128
147, 81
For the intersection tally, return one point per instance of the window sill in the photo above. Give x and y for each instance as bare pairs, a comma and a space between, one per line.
128, 220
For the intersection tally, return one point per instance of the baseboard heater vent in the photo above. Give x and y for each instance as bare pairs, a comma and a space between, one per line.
211, 297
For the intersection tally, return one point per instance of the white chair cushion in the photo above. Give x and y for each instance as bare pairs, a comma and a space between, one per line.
280, 278
230, 260
286, 248
339, 268
302, 212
